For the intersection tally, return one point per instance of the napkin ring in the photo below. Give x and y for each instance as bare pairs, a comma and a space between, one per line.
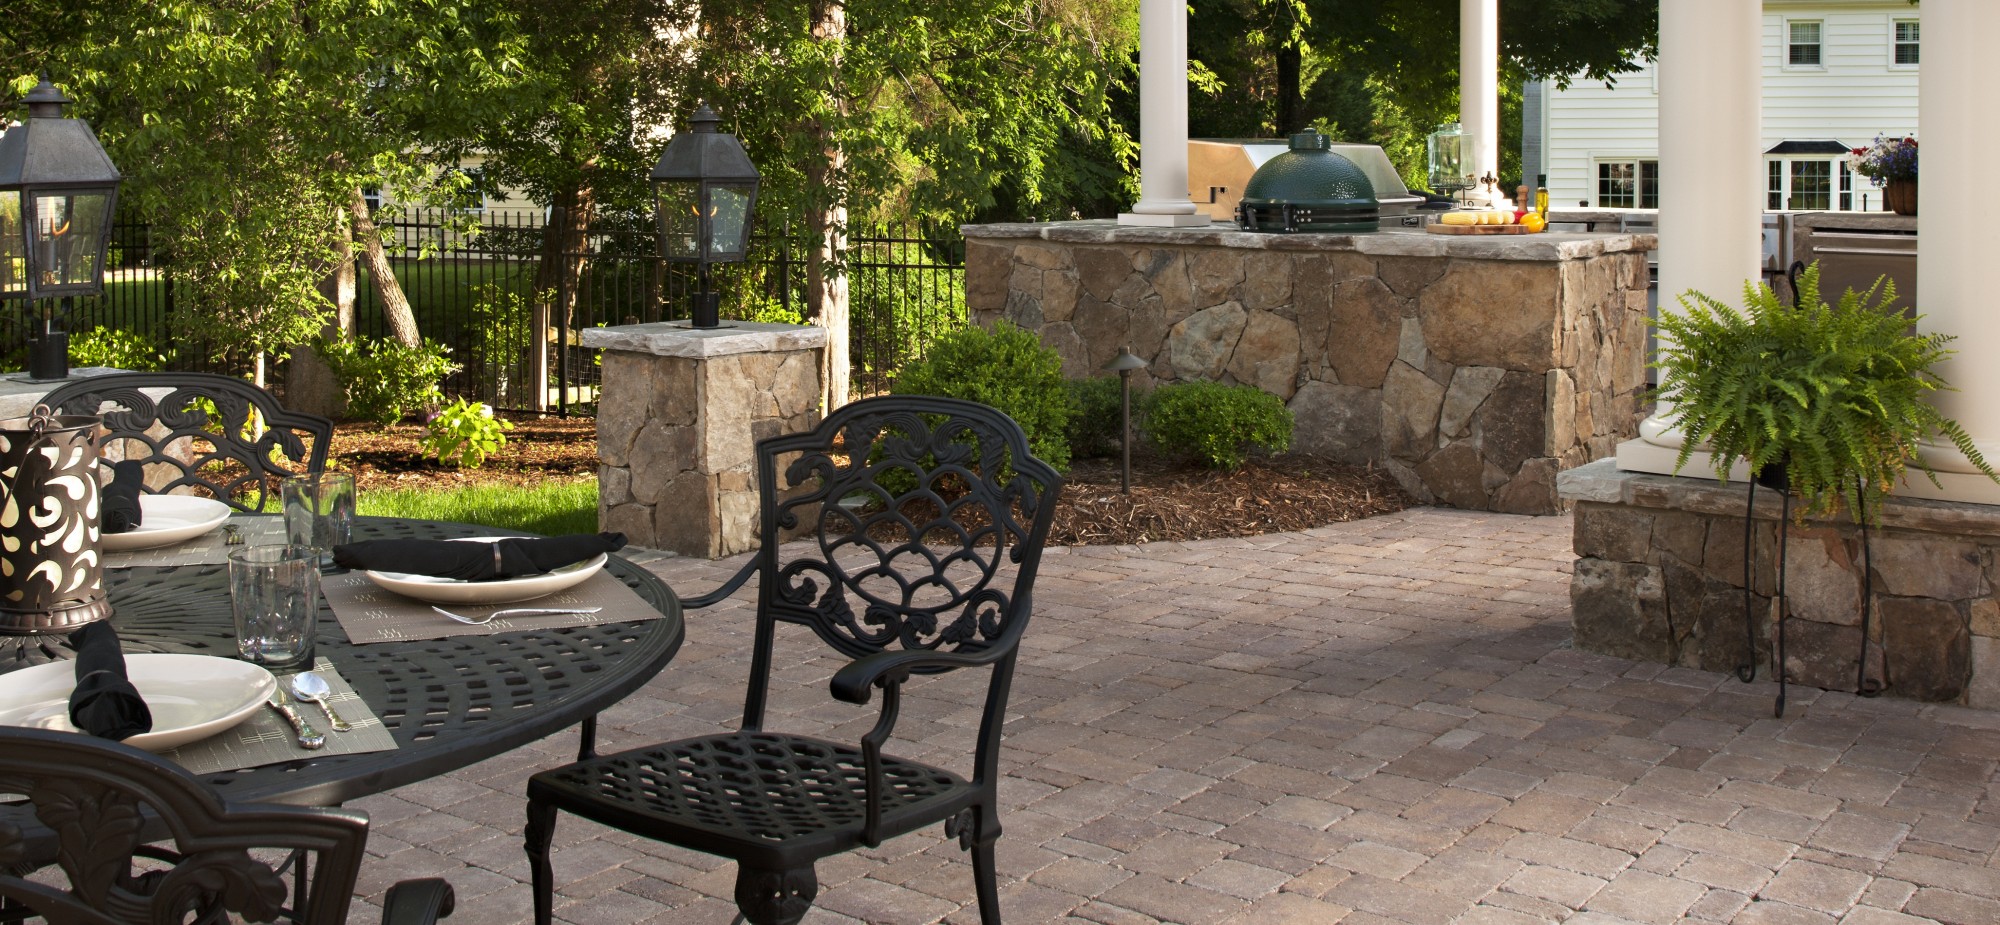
91, 674
497, 571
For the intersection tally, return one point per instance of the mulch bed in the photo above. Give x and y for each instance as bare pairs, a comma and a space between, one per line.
1169, 501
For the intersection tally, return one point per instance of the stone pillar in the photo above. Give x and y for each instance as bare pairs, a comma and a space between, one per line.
1711, 159
1479, 89
678, 418
1954, 108
1163, 119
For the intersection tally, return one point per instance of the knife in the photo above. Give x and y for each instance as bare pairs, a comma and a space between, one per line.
308, 738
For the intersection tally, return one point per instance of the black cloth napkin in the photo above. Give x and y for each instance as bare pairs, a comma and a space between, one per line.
120, 502
508, 558
104, 703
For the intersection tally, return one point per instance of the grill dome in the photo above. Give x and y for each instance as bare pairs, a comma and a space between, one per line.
1309, 189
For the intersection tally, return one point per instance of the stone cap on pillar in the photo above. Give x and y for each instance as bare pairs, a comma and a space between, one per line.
668, 339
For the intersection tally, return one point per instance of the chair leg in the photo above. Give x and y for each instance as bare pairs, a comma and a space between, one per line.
985, 878
540, 833
775, 897
586, 739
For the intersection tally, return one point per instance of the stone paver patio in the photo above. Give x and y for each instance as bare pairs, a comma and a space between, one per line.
1365, 723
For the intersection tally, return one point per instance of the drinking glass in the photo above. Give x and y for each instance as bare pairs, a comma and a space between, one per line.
274, 592
319, 511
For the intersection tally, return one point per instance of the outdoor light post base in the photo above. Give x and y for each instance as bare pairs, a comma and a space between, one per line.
48, 353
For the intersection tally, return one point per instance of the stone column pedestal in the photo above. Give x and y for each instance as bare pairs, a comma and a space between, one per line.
678, 416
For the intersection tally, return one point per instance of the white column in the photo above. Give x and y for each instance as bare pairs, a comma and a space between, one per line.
1479, 90
1163, 118
1711, 71
1954, 276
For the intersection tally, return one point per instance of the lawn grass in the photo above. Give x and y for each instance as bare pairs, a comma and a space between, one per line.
551, 508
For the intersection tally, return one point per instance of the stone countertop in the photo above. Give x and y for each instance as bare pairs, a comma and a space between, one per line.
1856, 221
1544, 247
676, 339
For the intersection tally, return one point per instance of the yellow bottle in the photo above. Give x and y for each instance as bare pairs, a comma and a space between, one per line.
1542, 196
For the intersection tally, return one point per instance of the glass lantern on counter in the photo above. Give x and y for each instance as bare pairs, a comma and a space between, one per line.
1444, 152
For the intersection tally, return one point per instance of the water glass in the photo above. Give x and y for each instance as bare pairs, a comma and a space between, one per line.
319, 511
274, 592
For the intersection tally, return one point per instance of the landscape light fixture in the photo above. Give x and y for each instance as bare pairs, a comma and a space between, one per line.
58, 190
1124, 363
705, 188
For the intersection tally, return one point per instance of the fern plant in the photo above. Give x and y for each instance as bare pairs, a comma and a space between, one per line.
1833, 393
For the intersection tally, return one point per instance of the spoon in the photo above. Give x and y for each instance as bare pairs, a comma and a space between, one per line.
313, 689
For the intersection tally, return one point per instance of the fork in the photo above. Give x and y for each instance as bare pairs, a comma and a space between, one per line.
482, 621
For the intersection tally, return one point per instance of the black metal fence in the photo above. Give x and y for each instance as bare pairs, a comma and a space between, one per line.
472, 281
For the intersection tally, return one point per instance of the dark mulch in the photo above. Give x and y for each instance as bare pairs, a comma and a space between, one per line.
1169, 500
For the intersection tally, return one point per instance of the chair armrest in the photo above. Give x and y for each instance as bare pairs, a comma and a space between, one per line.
417, 902
728, 587
853, 682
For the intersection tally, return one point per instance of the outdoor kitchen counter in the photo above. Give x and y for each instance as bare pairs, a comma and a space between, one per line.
1473, 367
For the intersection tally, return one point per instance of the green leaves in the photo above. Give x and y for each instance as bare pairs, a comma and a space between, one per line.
1834, 393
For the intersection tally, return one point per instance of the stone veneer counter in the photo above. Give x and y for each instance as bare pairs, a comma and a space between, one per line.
1473, 368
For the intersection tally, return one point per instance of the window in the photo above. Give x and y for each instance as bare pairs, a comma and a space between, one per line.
1808, 184
1906, 43
1628, 184
1802, 49
1812, 186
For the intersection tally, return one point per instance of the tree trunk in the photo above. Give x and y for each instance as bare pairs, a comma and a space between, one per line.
396, 309
558, 273
1291, 97
310, 384
826, 281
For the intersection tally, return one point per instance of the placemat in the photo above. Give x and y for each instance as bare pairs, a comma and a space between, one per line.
265, 738
210, 548
370, 614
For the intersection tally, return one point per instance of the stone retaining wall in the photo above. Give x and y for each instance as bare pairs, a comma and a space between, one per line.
1659, 577
1473, 369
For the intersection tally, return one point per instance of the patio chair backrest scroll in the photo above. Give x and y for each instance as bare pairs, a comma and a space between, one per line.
100, 803
923, 519
213, 435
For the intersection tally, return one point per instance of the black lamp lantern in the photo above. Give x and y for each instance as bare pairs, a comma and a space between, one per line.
58, 190
705, 187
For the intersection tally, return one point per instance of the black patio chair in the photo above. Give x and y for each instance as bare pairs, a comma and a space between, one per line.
200, 435
100, 805
925, 520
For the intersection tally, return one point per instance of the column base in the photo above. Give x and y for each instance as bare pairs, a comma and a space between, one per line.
1156, 220
1640, 456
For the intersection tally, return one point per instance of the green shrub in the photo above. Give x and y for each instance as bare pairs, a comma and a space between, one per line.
387, 380
1217, 423
1095, 416
1007, 368
465, 432
102, 346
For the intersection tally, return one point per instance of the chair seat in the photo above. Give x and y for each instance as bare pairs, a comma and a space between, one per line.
770, 799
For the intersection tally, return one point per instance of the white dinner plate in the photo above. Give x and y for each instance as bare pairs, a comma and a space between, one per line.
168, 519
192, 696
433, 590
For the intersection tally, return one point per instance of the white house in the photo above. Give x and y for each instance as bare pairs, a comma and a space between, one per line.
1837, 73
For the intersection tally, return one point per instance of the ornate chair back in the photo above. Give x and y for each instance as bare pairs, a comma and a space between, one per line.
201, 433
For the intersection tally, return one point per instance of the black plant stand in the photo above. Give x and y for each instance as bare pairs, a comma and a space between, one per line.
1774, 477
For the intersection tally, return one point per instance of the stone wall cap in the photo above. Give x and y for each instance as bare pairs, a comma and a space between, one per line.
672, 339
1603, 482
1548, 246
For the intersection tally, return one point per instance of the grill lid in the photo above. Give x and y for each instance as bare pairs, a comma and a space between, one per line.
1309, 189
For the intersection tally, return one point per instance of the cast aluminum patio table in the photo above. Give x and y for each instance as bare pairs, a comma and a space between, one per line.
449, 703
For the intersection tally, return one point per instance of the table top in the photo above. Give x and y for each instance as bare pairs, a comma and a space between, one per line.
449, 703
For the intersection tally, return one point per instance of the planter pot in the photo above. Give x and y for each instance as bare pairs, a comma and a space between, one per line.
1900, 196
1773, 476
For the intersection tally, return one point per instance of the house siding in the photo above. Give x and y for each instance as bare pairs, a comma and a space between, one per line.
1855, 94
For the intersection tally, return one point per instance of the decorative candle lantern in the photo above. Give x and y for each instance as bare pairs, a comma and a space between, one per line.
706, 188
58, 190
51, 571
